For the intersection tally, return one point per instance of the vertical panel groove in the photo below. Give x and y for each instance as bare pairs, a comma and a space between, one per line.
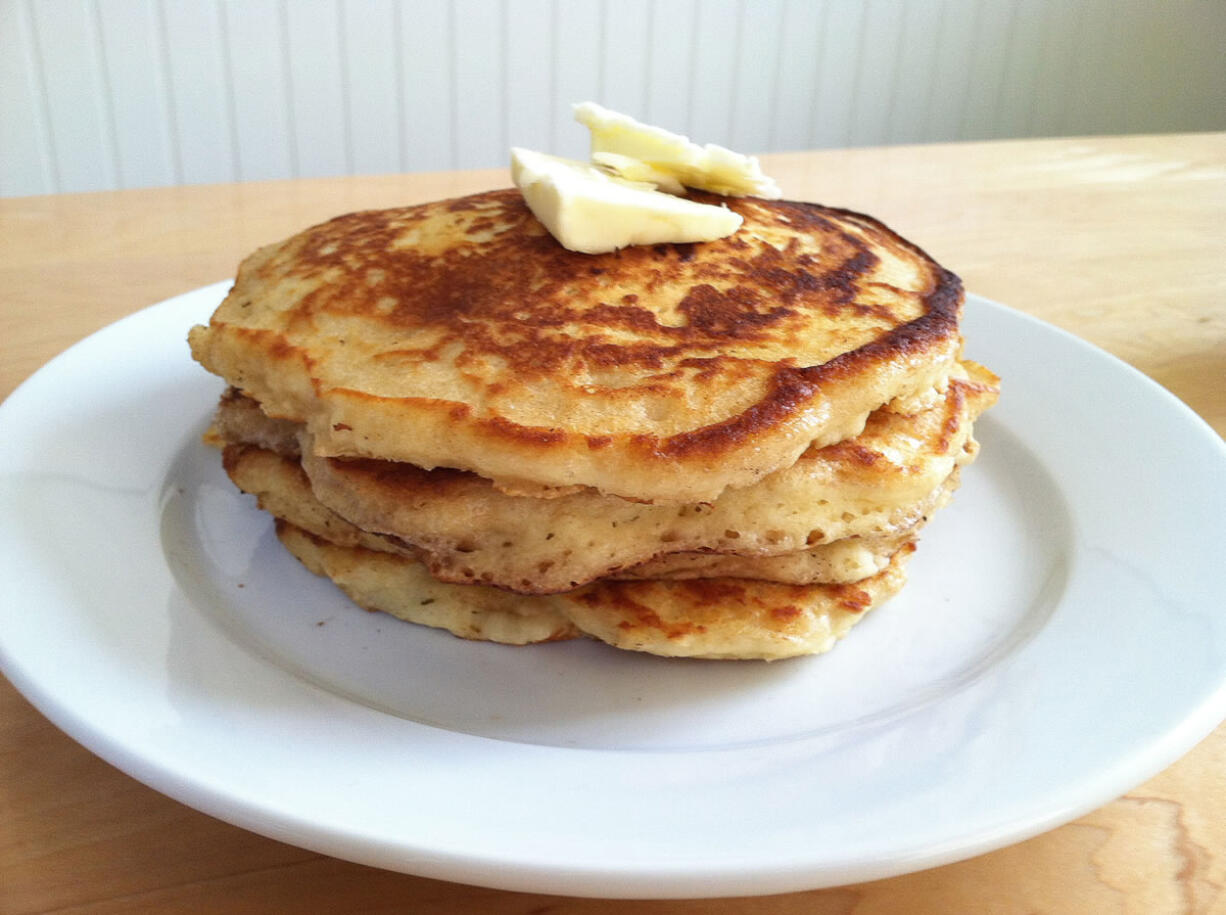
44, 99
554, 38
104, 84
891, 100
649, 45
342, 47
815, 114
1006, 62
167, 93
692, 50
603, 18
854, 89
934, 59
772, 125
453, 150
738, 33
402, 126
1032, 108
1063, 117
967, 88
690, 83
505, 91
227, 76
287, 77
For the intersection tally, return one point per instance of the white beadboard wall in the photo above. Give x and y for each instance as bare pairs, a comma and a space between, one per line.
104, 94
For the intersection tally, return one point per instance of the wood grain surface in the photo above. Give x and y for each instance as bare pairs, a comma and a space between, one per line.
1119, 240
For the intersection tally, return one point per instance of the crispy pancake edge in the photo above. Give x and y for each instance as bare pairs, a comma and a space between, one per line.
716, 618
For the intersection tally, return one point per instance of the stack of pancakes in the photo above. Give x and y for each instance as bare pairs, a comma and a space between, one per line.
719, 450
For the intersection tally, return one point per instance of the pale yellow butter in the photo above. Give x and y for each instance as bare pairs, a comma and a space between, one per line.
588, 210
637, 170
709, 168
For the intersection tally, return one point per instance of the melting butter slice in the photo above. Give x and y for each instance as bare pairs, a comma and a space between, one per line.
590, 211
637, 170
709, 168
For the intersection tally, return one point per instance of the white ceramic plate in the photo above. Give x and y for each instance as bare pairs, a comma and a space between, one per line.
1061, 640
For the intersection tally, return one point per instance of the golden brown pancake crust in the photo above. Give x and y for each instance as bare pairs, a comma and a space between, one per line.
702, 618
461, 334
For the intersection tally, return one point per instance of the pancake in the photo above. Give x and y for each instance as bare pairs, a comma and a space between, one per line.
728, 618
885, 481
239, 420
460, 334
401, 587
283, 490
704, 618
841, 562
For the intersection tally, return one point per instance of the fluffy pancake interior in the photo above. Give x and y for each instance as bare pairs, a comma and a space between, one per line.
403, 588
862, 495
282, 489
704, 618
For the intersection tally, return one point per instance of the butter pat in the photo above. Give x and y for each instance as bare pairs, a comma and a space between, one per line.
588, 210
709, 168
638, 170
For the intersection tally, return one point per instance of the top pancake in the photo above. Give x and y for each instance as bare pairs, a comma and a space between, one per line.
461, 334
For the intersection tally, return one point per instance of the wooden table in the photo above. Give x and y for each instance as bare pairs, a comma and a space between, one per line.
1119, 240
